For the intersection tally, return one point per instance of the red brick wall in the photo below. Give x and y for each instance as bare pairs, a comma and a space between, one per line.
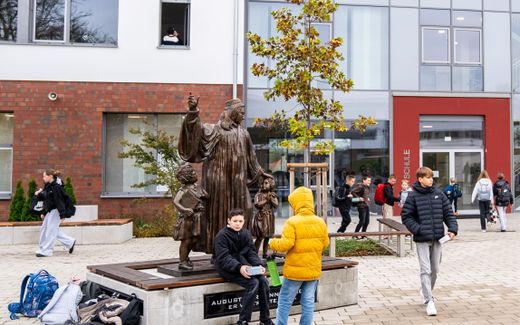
67, 133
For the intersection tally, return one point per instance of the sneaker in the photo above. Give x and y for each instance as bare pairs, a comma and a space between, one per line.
71, 249
484, 230
503, 230
430, 309
40, 255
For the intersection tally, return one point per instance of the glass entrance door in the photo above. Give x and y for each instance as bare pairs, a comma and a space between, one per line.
465, 165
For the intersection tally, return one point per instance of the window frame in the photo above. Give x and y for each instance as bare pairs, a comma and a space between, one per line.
66, 24
475, 29
187, 39
8, 147
437, 28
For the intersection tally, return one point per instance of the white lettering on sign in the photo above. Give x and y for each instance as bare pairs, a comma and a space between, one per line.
406, 164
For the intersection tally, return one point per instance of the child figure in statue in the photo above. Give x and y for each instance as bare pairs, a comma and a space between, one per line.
189, 201
266, 201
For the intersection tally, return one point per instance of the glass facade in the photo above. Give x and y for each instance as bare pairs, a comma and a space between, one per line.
121, 174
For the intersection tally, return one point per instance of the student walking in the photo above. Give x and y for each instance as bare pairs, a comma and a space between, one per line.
453, 192
362, 191
234, 254
483, 192
344, 202
424, 214
389, 197
54, 209
503, 198
304, 237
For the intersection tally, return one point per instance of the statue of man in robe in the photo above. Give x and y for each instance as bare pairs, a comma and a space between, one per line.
229, 163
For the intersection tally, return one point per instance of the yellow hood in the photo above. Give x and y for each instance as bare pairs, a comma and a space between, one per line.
302, 201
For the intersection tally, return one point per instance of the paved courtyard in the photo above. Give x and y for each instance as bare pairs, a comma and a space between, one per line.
479, 281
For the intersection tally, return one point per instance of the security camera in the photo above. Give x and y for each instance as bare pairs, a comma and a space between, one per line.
52, 96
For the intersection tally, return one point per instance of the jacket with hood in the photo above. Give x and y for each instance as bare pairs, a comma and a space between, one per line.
232, 250
425, 212
53, 198
304, 237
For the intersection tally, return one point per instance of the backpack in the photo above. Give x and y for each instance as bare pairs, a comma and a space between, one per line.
70, 209
457, 192
504, 194
379, 196
63, 307
36, 291
132, 313
483, 191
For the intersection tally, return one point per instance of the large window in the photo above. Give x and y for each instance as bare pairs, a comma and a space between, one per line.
6, 153
175, 23
121, 174
451, 50
515, 46
8, 19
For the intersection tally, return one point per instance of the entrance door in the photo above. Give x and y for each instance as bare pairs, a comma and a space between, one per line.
463, 164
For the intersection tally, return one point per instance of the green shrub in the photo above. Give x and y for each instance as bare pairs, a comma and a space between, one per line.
70, 190
161, 226
26, 216
17, 202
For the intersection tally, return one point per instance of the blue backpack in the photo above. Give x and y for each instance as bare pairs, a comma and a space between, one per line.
36, 292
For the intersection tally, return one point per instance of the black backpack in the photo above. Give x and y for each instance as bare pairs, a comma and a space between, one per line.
132, 314
338, 196
70, 209
504, 194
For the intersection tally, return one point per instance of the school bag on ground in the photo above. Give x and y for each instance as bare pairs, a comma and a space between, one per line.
483, 190
379, 196
63, 307
35, 293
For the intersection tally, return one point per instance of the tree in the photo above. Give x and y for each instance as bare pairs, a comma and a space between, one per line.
17, 202
26, 216
300, 62
157, 155
70, 190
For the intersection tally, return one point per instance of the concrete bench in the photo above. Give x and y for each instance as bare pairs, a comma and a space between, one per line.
103, 231
398, 229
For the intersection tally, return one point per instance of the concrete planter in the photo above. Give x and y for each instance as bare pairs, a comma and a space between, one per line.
85, 213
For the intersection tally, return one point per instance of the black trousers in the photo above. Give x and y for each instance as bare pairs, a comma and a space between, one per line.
364, 219
455, 204
345, 219
484, 213
255, 285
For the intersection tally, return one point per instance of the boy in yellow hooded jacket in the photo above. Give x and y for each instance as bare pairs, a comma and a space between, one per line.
304, 237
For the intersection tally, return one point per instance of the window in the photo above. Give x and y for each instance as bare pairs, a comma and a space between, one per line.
8, 20
451, 55
515, 47
6, 153
436, 45
121, 174
175, 23
92, 21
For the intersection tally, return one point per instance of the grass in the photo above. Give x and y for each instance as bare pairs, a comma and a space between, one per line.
353, 247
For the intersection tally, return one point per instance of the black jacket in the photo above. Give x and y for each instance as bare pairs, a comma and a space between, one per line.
425, 211
53, 198
388, 193
342, 199
233, 249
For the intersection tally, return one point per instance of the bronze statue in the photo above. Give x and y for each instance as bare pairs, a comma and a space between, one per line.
189, 202
266, 201
229, 158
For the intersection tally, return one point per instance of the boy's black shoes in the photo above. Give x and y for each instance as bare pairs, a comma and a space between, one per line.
242, 322
40, 255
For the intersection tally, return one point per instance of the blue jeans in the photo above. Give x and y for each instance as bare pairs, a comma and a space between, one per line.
286, 299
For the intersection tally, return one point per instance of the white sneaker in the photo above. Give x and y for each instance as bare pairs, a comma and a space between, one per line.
483, 230
430, 309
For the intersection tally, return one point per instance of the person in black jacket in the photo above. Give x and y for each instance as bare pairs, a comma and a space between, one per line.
503, 198
425, 212
388, 193
233, 255
54, 209
344, 201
